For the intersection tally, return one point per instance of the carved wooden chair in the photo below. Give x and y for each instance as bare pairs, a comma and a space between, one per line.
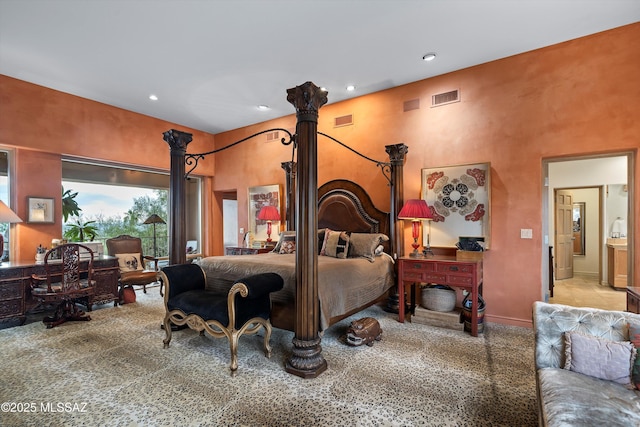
135, 268
244, 310
64, 282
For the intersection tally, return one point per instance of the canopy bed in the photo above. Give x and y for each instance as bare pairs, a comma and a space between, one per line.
310, 214
347, 282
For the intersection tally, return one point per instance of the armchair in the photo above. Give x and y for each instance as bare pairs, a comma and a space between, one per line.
244, 310
134, 265
65, 281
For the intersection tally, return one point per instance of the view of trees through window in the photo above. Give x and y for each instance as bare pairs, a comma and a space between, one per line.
105, 211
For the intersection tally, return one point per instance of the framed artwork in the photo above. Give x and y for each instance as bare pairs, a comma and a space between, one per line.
258, 198
459, 198
40, 210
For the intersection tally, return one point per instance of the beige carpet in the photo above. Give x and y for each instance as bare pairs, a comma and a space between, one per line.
114, 371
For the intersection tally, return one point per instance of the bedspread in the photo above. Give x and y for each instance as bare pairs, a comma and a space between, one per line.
343, 284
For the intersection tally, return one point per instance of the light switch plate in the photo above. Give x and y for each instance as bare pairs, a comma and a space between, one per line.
526, 233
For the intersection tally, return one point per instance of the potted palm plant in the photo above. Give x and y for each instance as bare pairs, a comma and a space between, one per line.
81, 231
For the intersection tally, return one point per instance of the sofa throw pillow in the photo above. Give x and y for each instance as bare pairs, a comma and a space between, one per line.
634, 337
129, 262
336, 244
363, 245
287, 244
599, 357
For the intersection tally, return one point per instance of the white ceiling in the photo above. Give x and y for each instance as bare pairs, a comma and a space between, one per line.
211, 62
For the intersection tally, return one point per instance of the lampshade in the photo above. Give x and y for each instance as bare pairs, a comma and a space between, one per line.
7, 215
269, 213
415, 209
154, 219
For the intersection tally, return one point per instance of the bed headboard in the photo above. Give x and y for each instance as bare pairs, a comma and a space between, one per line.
345, 206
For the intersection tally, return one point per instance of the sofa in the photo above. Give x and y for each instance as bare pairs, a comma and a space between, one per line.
586, 369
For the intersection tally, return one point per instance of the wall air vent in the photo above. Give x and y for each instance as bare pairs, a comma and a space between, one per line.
343, 121
445, 98
273, 136
412, 104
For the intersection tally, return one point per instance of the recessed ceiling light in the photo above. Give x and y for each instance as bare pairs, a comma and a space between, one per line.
153, 97
351, 88
263, 107
429, 56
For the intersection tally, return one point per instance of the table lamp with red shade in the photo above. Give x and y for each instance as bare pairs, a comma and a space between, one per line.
416, 211
269, 213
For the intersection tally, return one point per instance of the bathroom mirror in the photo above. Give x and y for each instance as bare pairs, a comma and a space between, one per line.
578, 229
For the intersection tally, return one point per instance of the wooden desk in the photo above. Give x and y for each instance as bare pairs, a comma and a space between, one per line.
15, 285
442, 271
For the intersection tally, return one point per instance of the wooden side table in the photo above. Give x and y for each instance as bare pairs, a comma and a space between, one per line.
443, 271
633, 299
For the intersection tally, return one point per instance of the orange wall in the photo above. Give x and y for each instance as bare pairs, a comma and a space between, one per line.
576, 98
41, 125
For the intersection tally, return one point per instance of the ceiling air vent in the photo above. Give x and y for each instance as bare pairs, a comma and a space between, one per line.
343, 121
412, 104
273, 136
445, 98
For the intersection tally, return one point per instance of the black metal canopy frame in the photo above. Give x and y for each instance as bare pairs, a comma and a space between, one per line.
306, 360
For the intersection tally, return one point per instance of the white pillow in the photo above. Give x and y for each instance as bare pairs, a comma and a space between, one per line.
599, 357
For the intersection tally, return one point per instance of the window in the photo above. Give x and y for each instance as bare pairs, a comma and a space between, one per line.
106, 194
4, 196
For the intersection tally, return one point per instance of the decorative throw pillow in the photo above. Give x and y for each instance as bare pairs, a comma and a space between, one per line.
365, 244
336, 244
634, 337
599, 357
288, 244
321, 233
129, 262
283, 234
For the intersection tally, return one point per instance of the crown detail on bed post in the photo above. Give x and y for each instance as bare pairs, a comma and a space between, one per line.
178, 142
307, 360
397, 153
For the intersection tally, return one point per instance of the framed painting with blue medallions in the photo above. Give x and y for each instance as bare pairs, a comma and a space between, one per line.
459, 198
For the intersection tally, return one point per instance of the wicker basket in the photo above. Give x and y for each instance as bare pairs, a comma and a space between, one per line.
438, 298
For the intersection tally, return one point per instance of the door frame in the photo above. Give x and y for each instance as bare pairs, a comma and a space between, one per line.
547, 205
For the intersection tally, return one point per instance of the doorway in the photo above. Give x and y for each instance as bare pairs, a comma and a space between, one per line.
580, 267
578, 233
230, 218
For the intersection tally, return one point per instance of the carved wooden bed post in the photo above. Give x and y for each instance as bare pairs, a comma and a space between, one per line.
178, 142
307, 360
397, 154
290, 208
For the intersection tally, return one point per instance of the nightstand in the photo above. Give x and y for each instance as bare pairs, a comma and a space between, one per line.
443, 271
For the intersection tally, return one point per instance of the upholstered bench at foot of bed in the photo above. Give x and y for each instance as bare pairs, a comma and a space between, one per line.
244, 310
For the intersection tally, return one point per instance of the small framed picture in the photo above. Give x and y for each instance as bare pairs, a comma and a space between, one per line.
40, 210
